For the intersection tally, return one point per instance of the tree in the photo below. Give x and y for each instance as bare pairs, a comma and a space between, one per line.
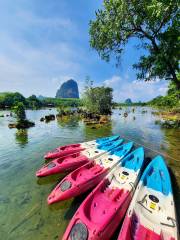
97, 99
19, 110
9, 99
33, 102
154, 22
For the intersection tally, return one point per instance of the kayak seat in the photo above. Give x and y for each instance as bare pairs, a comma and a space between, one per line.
155, 181
100, 207
102, 140
96, 169
86, 172
123, 150
80, 172
156, 176
61, 159
114, 194
110, 145
104, 187
134, 160
97, 208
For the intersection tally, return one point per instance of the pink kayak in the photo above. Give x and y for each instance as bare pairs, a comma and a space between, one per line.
73, 161
89, 175
151, 214
74, 148
101, 212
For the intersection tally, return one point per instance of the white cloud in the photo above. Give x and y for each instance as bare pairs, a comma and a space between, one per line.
46, 22
36, 70
136, 90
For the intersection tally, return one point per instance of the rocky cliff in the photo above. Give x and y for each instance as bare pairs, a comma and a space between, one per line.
68, 89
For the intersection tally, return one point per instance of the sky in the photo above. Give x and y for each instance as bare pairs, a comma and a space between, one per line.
44, 43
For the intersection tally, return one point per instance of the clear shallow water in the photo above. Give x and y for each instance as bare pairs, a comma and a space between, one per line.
24, 213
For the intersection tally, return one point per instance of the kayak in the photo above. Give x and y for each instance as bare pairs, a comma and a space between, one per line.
73, 161
151, 215
88, 175
74, 148
101, 212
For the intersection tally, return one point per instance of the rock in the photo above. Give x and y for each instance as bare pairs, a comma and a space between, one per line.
12, 125
25, 124
125, 114
41, 119
144, 111
22, 124
2, 115
49, 117
68, 89
103, 119
4, 199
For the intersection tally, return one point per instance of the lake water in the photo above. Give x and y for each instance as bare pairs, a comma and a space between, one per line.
24, 213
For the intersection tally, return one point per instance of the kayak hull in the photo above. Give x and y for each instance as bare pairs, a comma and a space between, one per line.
130, 231
89, 175
65, 150
63, 164
111, 217
151, 215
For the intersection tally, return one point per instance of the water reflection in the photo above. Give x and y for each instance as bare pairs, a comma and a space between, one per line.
50, 179
66, 121
21, 137
98, 130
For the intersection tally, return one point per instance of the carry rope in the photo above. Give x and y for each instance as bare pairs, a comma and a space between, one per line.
156, 151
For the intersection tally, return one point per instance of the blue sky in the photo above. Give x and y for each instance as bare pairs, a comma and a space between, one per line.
44, 43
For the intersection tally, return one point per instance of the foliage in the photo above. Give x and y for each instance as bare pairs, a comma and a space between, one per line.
8, 99
19, 110
154, 22
62, 102
171, 100
33, 102
98, 99
132, 104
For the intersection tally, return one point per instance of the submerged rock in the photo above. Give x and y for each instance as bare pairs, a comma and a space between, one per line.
4, 199
21, 124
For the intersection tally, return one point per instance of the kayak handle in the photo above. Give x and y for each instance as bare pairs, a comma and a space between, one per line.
169, 225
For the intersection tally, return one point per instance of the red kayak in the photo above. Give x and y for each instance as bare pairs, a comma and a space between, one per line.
74, 148
89, 175
102, 211
73, 161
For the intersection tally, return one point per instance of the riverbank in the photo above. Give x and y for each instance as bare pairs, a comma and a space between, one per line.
170, 118
23, 208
